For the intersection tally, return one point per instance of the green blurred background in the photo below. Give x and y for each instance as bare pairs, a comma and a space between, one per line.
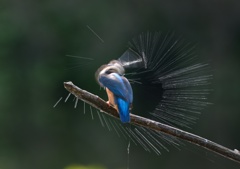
36, 36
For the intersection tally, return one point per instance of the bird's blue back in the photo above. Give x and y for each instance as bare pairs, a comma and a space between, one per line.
122, 91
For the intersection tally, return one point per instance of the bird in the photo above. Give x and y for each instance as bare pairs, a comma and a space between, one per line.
118, 89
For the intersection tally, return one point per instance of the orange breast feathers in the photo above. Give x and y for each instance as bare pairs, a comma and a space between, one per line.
111, 99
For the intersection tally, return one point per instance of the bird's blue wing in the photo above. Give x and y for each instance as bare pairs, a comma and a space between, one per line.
122, 91
129, 89
117, 84
123, 108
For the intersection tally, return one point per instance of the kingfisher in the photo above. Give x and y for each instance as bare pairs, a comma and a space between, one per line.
118, 88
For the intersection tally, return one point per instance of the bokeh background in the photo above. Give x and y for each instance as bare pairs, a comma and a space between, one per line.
36, 36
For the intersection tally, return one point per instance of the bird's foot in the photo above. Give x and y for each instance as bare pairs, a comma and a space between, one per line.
109, 104
112, 105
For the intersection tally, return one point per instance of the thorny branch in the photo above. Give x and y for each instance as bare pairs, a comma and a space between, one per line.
100, 104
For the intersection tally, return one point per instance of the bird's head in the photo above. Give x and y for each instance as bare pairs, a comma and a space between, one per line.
112, 67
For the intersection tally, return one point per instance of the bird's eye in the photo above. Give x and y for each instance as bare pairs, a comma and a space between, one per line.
109, 71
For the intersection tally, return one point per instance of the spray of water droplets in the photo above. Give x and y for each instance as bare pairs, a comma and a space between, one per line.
171, 65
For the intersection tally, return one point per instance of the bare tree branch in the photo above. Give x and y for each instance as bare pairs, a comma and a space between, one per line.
100, 104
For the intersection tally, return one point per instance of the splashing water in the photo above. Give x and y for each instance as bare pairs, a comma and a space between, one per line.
171, 65
150, 141
57, 102
95, 33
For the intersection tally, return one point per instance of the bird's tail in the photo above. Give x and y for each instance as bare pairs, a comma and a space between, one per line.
123, 109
